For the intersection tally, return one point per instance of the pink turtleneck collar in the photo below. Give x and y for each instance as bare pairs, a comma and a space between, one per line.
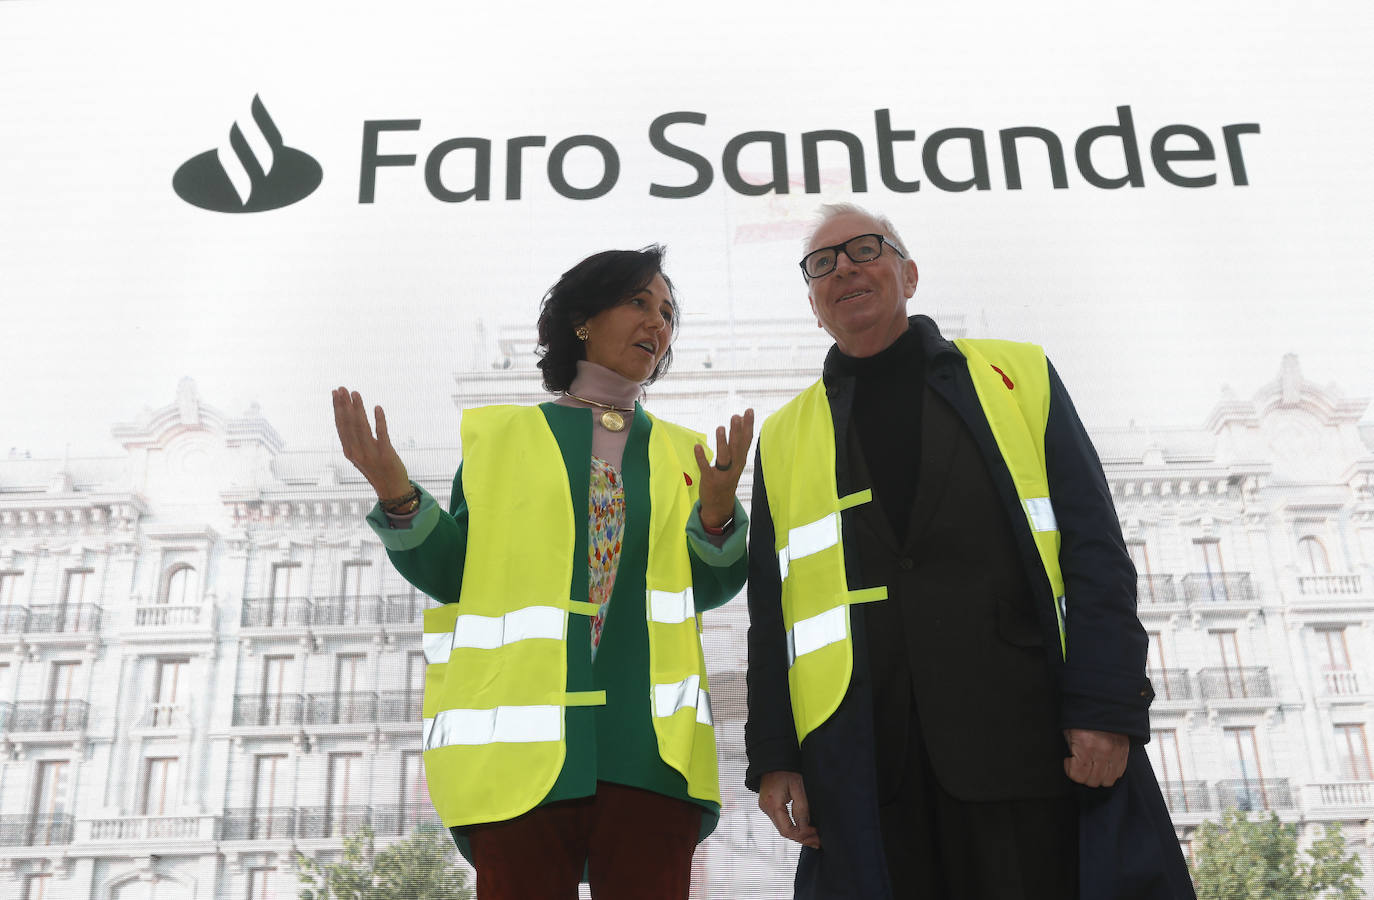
604, 386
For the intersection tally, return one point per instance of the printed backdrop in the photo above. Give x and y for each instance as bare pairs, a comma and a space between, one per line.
275, 199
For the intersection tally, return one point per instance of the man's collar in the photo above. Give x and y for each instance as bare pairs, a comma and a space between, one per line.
933, 345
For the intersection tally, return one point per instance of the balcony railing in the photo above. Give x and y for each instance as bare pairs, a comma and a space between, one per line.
1340, 682
61, 618
1254, 793
403, 818
342, 708
146, 828
406, 610
1235, 684
278, 822
1155, 589
1219, 587
49, 715
323, 821
164, 715
1344, 794
1170, 684
165, 615
1186, 796
345, 611
257, 710
400, 706
35, 831
276, 612
327, 822
13, 619
1328, 585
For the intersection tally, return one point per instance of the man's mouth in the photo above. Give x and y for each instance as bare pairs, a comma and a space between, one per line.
852, 295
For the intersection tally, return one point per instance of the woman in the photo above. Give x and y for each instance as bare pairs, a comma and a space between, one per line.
567, 726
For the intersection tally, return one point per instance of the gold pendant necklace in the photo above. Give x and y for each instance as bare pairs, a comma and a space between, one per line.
611, 419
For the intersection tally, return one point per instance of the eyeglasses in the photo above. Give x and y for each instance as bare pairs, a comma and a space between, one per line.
861, 249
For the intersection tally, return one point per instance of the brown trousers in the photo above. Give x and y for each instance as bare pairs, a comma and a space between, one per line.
633, 843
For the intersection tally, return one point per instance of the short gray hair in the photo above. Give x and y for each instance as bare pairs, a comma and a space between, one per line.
827, 211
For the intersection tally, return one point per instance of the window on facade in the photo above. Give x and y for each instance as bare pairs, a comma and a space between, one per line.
273, 689
1156, 651
1232, 681
269, 776
1352, 753
414, 790
36, 887
62, 695
9, 588
159, 785
260, 884
1337, 676
1147, 591
353, 573
170, 689
1211, 570
1312, 556
1242, 757
180, 587
286, 580
1168, 766
349, 681
50, 795
347, 788
75, 585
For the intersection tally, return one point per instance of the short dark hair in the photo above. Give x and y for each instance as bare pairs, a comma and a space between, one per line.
597, 283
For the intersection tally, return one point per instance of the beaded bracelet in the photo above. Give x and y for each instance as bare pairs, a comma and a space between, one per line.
403, 505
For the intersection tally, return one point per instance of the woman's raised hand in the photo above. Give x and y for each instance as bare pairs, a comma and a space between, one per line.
374, 457
718, 482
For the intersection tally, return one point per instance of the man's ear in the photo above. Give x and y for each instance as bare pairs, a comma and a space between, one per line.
910, 276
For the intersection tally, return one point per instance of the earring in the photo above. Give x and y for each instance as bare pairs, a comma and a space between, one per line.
582, 333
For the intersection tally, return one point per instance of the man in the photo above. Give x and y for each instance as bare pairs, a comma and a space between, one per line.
946, 672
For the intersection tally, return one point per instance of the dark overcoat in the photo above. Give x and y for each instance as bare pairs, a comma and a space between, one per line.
1128, 848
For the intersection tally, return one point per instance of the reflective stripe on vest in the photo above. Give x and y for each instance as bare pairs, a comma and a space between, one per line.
670, 607
490, 632
669, 698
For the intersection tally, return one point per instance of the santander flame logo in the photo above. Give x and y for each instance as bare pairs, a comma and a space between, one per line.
253, 172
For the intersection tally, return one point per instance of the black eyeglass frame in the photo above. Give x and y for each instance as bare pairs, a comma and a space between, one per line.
838, 248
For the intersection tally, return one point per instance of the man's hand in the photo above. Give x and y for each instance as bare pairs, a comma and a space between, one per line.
776, 790
1096, 758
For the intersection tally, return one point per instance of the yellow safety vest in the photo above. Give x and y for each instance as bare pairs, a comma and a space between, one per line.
797, 446
496, 675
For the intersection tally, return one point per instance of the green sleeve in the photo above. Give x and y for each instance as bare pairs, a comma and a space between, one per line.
718, 572
429, 554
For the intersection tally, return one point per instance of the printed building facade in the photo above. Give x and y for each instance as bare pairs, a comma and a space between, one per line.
207, 663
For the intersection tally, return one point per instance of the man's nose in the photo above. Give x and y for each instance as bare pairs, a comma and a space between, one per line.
843, 263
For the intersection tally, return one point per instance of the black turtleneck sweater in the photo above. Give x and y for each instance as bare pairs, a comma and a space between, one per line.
889, 389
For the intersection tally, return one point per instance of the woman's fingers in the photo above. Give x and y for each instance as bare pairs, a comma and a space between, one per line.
383, 436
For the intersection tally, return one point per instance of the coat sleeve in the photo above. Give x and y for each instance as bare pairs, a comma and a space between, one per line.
1104, 684
719, 564
770, 735
429, 554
